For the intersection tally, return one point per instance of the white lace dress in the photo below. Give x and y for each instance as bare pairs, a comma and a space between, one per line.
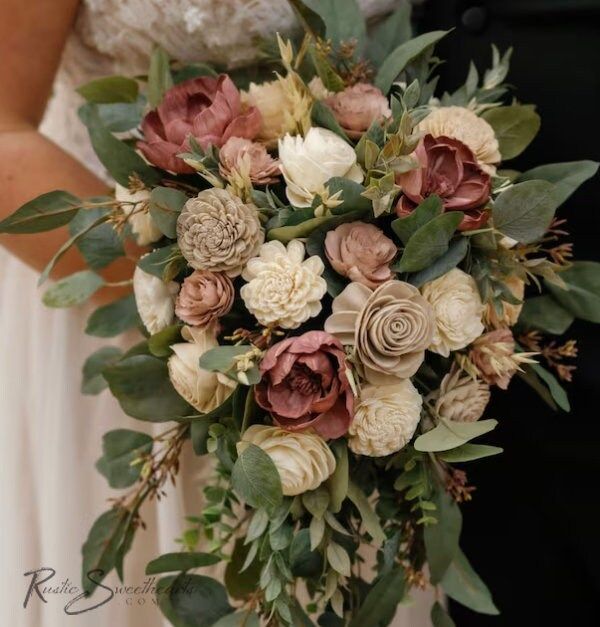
49, 491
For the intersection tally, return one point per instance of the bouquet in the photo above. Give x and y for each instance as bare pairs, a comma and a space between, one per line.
334, 281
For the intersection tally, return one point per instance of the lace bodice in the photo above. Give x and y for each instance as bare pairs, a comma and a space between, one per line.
117, 36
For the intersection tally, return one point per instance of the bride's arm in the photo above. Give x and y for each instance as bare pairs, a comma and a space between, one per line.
32, 37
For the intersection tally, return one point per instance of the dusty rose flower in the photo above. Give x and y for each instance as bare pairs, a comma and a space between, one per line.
238, 153
360, 252
449, 170
305, 385
206, 108
493, 354
205, 296
357, 107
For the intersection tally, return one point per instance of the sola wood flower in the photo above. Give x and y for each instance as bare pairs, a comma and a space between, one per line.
305, 384
201, 389
247, 157
135, 206
155, 300
462, 398
217, 231
303, 460
283, 288
389, 328
360, 252
458, 309
385, 419
208, 109
448, 169
204, 297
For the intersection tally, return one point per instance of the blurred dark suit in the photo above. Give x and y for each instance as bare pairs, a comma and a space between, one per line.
533, 528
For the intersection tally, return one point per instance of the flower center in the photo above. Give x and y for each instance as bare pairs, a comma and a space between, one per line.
302, 379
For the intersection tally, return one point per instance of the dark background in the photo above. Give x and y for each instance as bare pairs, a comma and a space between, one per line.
532, 530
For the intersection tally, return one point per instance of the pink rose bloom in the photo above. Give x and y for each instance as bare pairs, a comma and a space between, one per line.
449, 170
304, 385
263, 168
492, 353
207, 108
357, 107
204, 297
361, 252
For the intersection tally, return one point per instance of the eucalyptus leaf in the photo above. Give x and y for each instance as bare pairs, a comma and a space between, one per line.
110, 89
468, 452
546, 314
96, 239
441, 539
221, 358
159, 76
338, 558
351, 197
154, 263
582, 298
304, 562
338, 481
117, 117
379, 606
343, 19
367, 515
239, 581
243, 618
514, 126
170, 562
44, 213
321, 115
439, 616
120, 448
456, 252
450, 434
396, 29
114, 318
310, 19
316, 501
166, 204
423, 213
198, 601
93, 382
556, 390
73, 290
160, 343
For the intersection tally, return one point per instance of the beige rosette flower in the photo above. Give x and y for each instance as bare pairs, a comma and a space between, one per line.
283, 288
458, 310
385, 418
462, 398
217, 231
155, 300
389, 328
303, 460
135, 205
307, 163
247, 158
510, 311
202, 389
466, 126
360, 252
204, 297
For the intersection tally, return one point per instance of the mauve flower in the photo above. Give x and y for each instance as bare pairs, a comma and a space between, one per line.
206, 108
205, 296
305, 385
360, 252
357, 107
448, 169
238, 153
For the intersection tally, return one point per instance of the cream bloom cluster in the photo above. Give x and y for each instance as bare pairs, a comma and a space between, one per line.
307, 163
135, 206
462, 398
203, 390
155, 300
303, 460
283, 288
458, 310
466, 126
385, 419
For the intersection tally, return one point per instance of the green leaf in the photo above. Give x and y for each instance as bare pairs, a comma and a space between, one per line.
303, 561
93, 381
221, 358
450, 259
406, 227
392, 32
44, 213
399, 58
73, 290
441, 539
343, 20
321, 115
116, 156
198, 601
163, 601
159, 76
429, 243
239, 581
440, 618
566, 177
525, 210
120, 447
170, 562
243, 618
515, 127
329, 77
352, 198
114, 318
381, 602
338, 481
533, 381
449, 434
316, 501
166, 204
141, 385
154, 263
256, 479
159, 344
582, 298
110, 89
100, 244
338, 558
367, 515
545, 314
556, 390
117, 117
468, 452
310, 19
462, 584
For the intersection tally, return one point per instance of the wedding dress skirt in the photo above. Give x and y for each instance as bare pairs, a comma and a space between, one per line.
50, 492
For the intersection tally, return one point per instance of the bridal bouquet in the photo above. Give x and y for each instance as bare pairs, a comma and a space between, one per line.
333, 283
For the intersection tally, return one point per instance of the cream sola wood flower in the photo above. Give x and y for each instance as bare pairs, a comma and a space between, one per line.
155, 300
303, 460
135, 206
283, 288
461, 398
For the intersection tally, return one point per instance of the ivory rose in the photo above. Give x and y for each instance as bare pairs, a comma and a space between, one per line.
386, 418
462, 398
209, 109
135, 205
154, 299
238, 154
307, 163
305, 384
204, 297
448, 169
389, 328
458, 309
303, 460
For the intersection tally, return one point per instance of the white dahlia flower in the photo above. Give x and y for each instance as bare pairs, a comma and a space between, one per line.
155, 300
135, 205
